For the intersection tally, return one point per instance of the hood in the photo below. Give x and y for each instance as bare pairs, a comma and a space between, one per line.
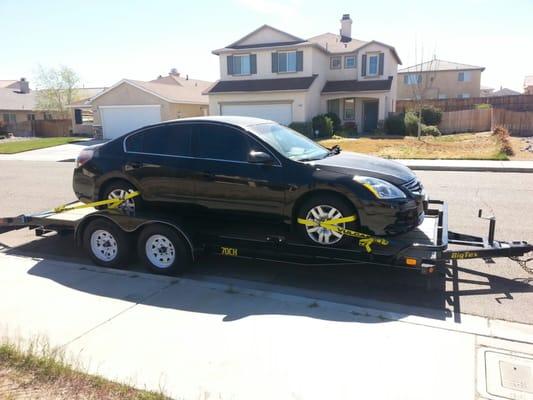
360, 164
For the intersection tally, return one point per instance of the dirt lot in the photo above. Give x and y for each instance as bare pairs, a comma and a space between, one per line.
471, 146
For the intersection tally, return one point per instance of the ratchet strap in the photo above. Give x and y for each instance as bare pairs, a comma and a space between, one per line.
110, 203
365, 240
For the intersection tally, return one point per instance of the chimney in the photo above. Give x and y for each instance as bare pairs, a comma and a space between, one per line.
24, 86
174, 72
346, 28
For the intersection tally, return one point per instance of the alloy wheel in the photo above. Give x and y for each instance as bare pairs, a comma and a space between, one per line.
319, 234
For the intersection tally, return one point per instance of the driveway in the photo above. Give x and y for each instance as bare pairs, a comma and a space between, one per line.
65, 152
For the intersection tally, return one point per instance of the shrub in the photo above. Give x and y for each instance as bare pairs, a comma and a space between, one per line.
305, 128
502, 135
395, 125
335, 119
430, 130
411, 123
431, 115
323, 124
482, 106
3, 128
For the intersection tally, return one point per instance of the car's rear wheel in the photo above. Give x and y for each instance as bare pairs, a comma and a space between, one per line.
322, 207
119, 190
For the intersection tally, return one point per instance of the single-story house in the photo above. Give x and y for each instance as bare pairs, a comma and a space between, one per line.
130, 104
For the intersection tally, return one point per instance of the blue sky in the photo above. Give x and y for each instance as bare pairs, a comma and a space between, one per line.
105, 41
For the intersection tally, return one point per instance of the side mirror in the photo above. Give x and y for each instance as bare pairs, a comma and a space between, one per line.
260, 157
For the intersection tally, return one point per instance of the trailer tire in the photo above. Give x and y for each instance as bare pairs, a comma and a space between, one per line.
106, 243
163, 250
327, 202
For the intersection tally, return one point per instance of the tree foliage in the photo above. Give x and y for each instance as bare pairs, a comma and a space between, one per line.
56, 88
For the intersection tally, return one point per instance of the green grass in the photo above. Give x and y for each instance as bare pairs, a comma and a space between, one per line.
49, 374
18, 146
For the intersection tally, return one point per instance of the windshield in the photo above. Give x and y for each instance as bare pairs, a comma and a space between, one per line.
290, 143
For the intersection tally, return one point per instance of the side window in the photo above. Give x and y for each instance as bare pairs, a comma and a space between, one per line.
220, 143
173, 140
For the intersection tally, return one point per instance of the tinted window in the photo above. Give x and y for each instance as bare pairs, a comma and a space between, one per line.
174, 140
220, 142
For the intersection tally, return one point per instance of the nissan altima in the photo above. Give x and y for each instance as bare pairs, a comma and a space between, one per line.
250, 166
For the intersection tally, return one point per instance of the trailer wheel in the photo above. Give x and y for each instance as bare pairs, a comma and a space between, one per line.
106, 243
163, 250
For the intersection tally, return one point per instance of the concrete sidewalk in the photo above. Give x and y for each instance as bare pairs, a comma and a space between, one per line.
199, 339
469, 165
64, 152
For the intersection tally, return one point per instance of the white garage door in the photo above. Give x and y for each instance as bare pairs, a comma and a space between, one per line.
279, 112
118, 120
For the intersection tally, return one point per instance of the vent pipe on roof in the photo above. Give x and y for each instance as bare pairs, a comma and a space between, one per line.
346, 28
174, 72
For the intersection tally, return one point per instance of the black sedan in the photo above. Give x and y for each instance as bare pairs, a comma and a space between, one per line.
250, 166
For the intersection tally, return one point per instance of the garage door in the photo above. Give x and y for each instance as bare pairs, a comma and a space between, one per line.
118, 120
279, 112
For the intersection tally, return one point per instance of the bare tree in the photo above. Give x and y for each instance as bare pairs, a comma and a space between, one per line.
421, 81
56, 88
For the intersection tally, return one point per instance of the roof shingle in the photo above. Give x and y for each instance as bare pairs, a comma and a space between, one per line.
357, 86
257, 85
439, 65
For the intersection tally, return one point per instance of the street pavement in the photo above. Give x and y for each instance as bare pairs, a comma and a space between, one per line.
498, 289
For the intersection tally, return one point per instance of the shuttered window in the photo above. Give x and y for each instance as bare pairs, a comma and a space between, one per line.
287, 61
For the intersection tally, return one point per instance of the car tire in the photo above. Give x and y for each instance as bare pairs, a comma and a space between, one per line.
163, 250
106, 243
321, 205
118, 189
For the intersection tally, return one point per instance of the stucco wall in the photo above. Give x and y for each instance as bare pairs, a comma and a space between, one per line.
126, 94
444, 83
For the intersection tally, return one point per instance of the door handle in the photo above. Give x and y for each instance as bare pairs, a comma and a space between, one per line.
133, 165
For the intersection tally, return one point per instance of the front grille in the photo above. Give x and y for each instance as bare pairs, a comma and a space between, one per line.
413, 186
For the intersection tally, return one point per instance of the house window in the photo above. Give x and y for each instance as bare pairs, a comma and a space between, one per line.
335, 62
463, 76
287, 61
442, 96
349, 109
350, 62
463, 95
47, 116
412, 79
30, 117
10, 118
241, 65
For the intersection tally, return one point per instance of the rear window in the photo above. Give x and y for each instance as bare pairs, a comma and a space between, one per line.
172, 140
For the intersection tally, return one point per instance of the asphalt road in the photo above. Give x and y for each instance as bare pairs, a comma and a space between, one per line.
497, 289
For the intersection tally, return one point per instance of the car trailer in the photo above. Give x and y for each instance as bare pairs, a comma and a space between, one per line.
169, 241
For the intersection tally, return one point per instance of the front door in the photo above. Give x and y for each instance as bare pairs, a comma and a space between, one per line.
370, 115
226, 180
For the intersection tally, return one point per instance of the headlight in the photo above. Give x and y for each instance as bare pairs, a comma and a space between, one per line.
380, 188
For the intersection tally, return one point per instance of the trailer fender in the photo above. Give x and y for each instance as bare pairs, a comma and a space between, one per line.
131, 225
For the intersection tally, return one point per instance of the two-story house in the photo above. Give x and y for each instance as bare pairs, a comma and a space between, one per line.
275, 75
439, 79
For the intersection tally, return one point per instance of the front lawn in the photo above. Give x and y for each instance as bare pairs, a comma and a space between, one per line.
466, 146
11, 146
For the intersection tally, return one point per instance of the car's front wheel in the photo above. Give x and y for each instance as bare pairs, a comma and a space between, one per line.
323, 207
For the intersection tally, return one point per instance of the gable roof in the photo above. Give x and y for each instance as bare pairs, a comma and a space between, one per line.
332, 43
439, 65
13, 100
290, 38
9, 83
177, 90
259, 85
528, 81
505, 92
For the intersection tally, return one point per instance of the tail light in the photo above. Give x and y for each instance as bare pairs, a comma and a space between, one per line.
84, 156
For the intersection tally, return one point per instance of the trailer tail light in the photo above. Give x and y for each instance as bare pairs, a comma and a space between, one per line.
84, 156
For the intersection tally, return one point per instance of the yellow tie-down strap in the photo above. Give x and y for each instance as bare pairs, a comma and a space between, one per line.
365, 240
110, 203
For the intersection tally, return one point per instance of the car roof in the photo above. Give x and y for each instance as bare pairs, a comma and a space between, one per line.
225, 119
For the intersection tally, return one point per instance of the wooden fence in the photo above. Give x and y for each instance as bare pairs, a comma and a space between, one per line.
521, 102
466, 121
516, 122
42, 128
